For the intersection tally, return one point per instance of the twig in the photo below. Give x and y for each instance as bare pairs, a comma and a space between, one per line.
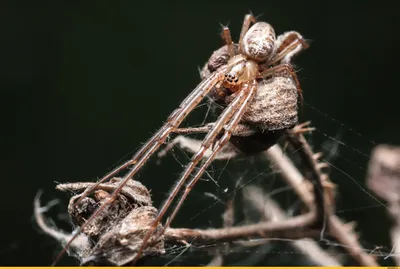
289, 173
41, 222
288, 229
128, 229
384, 179
272, 211
341, 231
130, 218
81, 244
292, 228
312, 171
345, 235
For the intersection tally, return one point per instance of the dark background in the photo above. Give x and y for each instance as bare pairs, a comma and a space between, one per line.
84, 83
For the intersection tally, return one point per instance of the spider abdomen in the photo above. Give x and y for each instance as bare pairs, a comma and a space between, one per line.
259, 42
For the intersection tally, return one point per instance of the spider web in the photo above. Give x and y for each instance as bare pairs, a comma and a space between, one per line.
347, 152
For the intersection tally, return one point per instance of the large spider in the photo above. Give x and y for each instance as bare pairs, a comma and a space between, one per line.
243, 83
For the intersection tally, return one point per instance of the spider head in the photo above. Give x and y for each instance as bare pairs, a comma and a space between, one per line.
240, 70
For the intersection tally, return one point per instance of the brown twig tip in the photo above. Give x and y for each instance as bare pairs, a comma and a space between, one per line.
323, 188
312, 166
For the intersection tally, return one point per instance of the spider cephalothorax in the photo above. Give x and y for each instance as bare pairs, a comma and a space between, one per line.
257, 46
240, 70
252, 79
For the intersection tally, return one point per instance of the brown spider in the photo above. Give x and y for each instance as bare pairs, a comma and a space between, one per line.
241, 84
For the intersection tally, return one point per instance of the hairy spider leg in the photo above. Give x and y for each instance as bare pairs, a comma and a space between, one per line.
248, 20
173, 121
140, 158
227, 37
288, 44
282, 69
231, 115
155, 142
217, 147
192, 145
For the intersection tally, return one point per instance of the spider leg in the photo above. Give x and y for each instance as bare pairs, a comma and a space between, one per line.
248, 20
194, 130
192, 145
231, 116
288, 44
226, 36
219, 145
140, 158
284, 70
186, 143
173, 121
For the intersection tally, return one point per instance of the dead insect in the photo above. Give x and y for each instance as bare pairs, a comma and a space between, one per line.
259, 89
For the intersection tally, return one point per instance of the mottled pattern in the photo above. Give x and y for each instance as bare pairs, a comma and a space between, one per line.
275, 105
120, 244
259, 42
114, 237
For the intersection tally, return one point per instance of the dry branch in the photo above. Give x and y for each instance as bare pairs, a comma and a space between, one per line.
115, 235
384, 179
334, 226
272, 211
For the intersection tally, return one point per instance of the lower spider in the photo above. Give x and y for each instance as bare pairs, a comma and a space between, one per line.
259, 90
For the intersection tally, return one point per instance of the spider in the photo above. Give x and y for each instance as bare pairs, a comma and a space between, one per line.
241, 84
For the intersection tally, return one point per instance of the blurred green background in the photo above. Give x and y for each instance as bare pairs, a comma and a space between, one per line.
84, 83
